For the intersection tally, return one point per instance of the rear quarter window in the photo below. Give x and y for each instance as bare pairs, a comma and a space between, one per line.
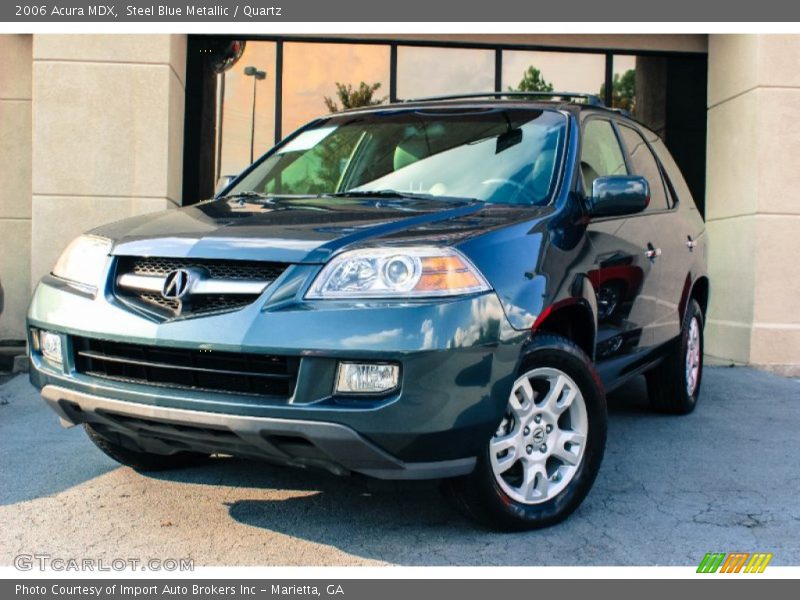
645, 165
674, 175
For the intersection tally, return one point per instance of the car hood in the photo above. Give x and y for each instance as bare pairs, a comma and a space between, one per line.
303, 230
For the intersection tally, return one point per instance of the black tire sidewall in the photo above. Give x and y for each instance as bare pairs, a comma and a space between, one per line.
692, 312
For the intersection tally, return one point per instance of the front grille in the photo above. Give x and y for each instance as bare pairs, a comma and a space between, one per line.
200, 305
216, 268
231, 372
197, 305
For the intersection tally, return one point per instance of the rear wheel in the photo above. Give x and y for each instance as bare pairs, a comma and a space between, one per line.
125, 452
546, 452
674, 385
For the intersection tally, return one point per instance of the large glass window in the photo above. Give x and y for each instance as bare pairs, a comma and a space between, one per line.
236, 115
664, 92
553, 71
423, 71
601, 154
508, 156
311, 73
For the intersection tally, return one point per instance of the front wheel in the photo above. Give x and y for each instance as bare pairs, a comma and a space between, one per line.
544, 457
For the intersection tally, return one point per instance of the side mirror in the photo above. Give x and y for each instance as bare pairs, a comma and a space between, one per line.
223, 182
619, 195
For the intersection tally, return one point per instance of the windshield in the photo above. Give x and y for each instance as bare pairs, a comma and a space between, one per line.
500, 155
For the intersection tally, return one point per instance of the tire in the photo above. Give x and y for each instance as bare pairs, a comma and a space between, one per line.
114, 445
673, 387
495, 494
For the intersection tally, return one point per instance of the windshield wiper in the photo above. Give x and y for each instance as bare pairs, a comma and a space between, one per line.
390, 194
260, 196
246, 194
371, 193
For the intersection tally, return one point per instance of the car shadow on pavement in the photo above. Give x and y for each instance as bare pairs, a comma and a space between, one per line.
372, 519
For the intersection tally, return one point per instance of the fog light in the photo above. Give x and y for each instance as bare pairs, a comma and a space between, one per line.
366, 378
50, 344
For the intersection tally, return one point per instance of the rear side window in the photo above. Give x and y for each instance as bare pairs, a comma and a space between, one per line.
601, 154
645, 165
674, 175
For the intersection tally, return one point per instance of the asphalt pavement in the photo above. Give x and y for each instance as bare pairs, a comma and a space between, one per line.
726, 478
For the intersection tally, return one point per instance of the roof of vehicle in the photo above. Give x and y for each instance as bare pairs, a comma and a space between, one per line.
571, 101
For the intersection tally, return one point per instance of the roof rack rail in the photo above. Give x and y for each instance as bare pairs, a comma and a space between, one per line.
589, 99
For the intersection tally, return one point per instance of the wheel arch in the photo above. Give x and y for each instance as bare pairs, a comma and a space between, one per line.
699, 292
574, 318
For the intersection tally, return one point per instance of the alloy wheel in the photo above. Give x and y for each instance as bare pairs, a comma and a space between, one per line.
541, 440
693, 355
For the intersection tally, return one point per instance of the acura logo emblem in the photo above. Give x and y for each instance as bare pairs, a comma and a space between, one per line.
538, 435
177, 284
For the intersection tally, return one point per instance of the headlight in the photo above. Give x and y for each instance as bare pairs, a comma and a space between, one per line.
84, 261
414, 272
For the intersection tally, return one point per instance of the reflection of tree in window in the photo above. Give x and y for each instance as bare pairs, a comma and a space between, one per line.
316, 171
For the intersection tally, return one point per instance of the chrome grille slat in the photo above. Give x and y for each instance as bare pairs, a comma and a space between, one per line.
222, 287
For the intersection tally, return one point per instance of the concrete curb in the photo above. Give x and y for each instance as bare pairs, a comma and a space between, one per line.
20, 364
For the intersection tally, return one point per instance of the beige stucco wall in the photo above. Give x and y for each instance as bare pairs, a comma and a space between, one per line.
107, 133
753, 200
15, 198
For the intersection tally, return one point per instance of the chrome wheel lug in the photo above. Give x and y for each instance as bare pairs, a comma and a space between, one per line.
538, 418
543, 448
527, 431
529, 449
549, 428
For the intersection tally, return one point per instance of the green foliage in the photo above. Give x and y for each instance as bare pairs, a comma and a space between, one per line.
532, 81
317, 170
351, 97
623, 91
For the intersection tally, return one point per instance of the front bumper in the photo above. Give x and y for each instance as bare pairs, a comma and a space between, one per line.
458, 358
297, 442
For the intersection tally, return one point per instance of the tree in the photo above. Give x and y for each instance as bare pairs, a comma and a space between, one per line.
623, 90
532, 81
351, 97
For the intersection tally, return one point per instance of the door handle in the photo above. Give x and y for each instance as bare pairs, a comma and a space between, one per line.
652, 253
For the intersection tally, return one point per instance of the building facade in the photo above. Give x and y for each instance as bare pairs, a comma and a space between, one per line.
96, 128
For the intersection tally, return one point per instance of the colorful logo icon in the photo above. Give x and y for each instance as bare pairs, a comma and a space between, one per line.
734, 562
